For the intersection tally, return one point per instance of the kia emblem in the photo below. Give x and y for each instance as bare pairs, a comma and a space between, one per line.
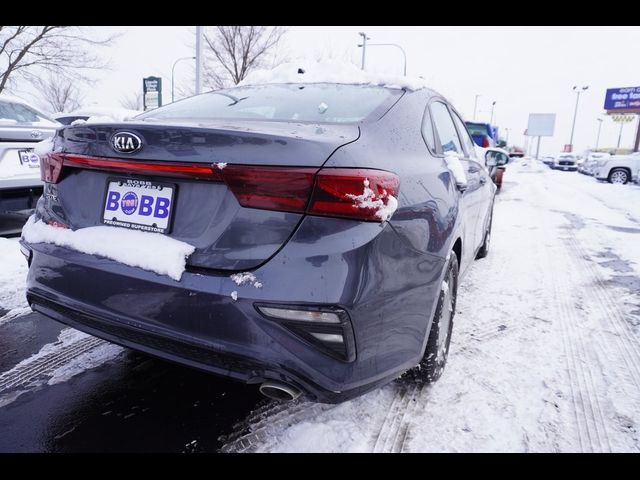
126, 142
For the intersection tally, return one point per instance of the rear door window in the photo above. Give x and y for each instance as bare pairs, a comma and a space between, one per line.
444, 126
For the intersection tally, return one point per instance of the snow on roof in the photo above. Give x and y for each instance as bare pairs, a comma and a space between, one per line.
329, 72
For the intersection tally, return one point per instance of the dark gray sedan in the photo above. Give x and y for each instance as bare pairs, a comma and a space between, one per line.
329, 223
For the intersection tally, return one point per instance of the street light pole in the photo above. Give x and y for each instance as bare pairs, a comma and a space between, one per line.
492, 106
599, 128
475, 106
575, 113
620, 134
404, 54
173, 75
364, 46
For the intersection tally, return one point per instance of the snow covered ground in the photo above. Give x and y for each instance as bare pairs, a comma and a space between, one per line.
545, 353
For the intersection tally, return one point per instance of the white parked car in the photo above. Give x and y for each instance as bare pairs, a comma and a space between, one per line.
619, 168
591, 163
22, 127
565, 161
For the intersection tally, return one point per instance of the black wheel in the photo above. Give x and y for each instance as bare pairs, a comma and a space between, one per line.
484, 249
618, 175
432, 364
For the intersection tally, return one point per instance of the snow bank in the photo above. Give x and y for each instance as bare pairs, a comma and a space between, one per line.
13, 275
452, 159
329, 72
149, 251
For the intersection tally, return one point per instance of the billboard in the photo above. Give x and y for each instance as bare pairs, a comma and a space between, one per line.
622, 100
541, 124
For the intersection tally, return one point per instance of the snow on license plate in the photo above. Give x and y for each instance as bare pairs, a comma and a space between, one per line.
139, 205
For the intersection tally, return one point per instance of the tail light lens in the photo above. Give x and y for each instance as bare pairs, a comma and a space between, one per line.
270, 188
51, 167
361, 194
353, 193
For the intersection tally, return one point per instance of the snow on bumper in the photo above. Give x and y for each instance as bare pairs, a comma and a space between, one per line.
149, 251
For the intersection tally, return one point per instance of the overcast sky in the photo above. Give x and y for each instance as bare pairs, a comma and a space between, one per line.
523, 69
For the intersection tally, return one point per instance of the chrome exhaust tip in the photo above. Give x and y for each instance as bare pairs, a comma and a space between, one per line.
279, 391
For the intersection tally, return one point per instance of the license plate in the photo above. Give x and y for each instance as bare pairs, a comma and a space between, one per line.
29, 159
565, 168
139, 205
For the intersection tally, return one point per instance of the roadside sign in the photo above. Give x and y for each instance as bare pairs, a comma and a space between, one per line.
541, 124
622, 100
152, 89
568, 148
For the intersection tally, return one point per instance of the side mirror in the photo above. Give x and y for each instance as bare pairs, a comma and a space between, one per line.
496, 158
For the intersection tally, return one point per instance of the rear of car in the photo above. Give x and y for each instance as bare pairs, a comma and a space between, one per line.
22, 127
286, 280
565, 162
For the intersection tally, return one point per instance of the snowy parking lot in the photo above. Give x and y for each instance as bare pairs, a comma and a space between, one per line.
545, 354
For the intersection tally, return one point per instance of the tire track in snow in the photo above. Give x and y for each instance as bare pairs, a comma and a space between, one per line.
55, 362
254, 431
394, 427
625, 343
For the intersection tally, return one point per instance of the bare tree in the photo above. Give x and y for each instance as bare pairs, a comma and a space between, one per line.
59, 93
132, 101
237, 50
27, 51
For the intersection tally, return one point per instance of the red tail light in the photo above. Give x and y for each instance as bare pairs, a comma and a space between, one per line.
336, 192
51, 167
270, 188
353, 193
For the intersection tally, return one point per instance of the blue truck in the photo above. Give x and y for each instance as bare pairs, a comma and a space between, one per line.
484, 134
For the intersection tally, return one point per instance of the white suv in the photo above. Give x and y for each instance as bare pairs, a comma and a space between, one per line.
22, 127
565, 161
619, 168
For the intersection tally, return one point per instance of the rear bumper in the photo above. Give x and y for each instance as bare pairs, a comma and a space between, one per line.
196, 322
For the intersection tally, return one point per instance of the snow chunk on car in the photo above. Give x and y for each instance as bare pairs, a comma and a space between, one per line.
149, 251
452, 159
384, 205
306, 71
245, 278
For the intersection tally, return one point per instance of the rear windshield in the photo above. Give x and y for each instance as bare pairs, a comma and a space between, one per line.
477, 129
324, 103
12, 113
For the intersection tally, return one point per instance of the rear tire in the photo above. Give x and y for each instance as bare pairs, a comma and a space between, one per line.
618, 175
430, 368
